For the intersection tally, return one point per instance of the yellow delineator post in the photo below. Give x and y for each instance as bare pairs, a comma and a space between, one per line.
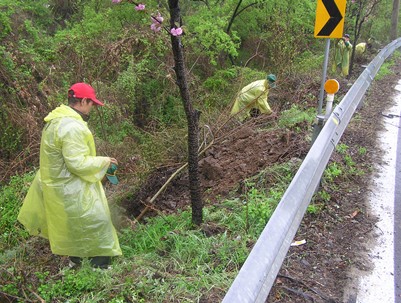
331, 87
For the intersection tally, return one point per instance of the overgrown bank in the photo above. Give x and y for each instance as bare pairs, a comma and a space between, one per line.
245, 173
167, 260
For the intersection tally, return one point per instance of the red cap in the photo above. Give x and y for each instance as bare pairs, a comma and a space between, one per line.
83, 90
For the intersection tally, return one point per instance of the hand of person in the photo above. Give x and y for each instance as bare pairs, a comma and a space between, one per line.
113, 160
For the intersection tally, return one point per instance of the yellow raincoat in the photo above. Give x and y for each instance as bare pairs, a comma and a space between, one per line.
253, 95
360, 48
66, 202
342, 55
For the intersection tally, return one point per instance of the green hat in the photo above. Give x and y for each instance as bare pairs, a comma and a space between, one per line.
272, 79
111, 174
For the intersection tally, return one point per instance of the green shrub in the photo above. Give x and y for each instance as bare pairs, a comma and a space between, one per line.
172, 110
11, 197
261, 198
10, 141
384, 70
108, 123
307, 62
5, 24
291, 117
258, 208
72, 284
221, 80
314, 209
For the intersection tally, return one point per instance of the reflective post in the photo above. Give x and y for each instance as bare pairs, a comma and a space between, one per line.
331, 87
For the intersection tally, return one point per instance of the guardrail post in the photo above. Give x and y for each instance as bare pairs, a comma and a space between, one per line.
317, 127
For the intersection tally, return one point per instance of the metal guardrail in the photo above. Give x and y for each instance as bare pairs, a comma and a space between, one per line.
258, 273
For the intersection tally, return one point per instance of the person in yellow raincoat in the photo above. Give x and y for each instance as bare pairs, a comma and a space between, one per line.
360, 49
66, 202
342, 53
254, 96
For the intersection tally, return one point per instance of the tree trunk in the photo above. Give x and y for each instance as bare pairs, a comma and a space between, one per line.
191, 114
362, 13
394, 20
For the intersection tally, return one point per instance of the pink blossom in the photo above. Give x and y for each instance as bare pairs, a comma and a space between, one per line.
176, 31
116, 1
140, 7
156, 22
155, 27
158, 19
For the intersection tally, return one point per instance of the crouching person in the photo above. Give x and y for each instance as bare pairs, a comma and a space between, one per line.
253, 97
66, 203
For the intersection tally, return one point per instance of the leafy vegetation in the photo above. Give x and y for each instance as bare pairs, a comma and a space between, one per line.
173, 259
11, 196
165, 257
46, 46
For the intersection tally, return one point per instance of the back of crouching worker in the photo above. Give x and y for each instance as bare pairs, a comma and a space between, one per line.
66, 202
253, 97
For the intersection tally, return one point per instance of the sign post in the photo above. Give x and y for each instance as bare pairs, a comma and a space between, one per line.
329, 23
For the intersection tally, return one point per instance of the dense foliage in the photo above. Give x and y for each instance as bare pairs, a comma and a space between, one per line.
46, 45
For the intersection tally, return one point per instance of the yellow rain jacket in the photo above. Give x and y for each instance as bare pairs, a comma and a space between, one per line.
342, 55
360, 48
253, 95
66, 202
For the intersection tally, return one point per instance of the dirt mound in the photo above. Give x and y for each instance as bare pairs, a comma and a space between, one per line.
247, 150
245, 154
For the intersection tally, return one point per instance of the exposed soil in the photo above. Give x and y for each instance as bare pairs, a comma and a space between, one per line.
239, 155
336, 237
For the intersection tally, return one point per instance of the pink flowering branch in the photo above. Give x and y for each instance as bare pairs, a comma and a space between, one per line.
140, 7
157, 20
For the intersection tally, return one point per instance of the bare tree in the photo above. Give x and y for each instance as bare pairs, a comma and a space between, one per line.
394, 19
359, 12
191, 114
63, 9
235, 14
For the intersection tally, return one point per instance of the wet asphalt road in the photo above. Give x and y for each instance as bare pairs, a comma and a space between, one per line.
383, 283
397, 220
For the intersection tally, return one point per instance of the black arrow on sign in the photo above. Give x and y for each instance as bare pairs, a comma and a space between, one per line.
335, 18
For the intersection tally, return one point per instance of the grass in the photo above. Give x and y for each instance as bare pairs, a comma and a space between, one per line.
165, 258
385, 69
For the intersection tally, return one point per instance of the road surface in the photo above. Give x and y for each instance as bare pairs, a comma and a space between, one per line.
383, 283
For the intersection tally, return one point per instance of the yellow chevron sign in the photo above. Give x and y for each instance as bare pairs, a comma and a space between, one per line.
330, 18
